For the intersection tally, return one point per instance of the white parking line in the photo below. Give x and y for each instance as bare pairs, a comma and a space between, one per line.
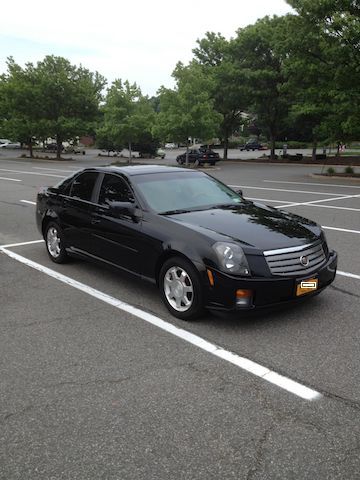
318, 201
306, 205
28, 201
283, 190
20, 244
333, 207
312, 183
347, 274
340, 229
31, 173
244, 363
11, 179
55, 170
265, 200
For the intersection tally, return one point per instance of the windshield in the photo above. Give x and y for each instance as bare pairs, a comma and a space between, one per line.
183, 191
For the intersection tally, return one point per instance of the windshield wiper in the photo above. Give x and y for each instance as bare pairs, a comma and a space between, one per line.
174, 212
226, 205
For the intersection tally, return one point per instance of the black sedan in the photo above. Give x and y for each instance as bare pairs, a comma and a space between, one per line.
253, 145
201, 242
199, 155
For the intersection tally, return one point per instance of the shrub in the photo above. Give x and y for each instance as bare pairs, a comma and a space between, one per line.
331, 171
349, 170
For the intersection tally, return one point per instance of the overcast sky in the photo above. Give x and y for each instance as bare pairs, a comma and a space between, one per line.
138, 40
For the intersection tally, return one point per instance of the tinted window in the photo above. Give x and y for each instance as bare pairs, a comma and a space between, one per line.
114, 189
83, 186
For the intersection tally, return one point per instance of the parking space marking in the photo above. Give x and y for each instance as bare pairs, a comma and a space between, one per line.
31, 173
312, 183
11, 179
347, 274
340, 229
283, 190
20, 244
334, 207
246, 364
28, 201
265, 200
308, 205
319, 201
55, 169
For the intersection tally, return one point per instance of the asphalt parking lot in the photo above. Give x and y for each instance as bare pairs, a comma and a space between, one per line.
99, 381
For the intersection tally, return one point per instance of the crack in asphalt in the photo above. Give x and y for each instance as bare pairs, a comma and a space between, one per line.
90, 382
342, 290
260, 452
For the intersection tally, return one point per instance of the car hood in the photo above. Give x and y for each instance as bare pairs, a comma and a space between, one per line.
254, 225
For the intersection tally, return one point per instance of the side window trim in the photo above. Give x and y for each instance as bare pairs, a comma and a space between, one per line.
123, 179
93, 190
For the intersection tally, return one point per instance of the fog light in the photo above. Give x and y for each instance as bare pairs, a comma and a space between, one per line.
244, 298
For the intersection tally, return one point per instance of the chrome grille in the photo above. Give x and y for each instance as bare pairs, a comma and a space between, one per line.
287, 261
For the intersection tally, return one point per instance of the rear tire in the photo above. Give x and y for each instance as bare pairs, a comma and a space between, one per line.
181, 289
54, 241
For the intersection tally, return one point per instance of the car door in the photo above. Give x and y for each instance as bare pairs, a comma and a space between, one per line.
76, 211
116, 237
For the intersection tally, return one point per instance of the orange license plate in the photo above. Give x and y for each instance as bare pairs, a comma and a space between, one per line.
306, 286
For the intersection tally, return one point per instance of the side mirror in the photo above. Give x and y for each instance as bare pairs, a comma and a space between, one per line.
123, 208
239, 191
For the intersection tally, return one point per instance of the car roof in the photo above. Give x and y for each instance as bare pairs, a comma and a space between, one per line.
132, 170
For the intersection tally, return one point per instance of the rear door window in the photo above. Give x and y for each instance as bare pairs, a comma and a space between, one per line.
83, 186
114, 189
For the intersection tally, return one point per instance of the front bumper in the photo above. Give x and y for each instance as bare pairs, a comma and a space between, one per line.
268, 292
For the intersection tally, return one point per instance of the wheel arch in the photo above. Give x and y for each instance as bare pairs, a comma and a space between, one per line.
50, 216
170, 254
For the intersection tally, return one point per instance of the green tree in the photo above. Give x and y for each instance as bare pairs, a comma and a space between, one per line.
260, 68
333, 26
188, 110
128, 115
19, 109
229, 93
52, 99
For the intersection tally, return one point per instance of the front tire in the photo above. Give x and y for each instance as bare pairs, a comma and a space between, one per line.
180, 289
54, 241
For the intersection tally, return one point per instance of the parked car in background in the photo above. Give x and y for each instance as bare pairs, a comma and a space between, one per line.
253, 145
160, 153
4, 143
170, 145
74, 149
52, 147
200, 155
197, 239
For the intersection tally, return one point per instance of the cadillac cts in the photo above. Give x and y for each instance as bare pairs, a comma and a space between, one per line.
201, 242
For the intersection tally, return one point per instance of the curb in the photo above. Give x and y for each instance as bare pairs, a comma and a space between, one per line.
318, 175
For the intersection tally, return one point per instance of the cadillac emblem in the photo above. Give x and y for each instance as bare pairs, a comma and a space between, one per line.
304, 260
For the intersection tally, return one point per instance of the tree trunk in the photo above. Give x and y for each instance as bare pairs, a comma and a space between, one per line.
58, 147
130, 153
272, 143
313, 154
226, 146
187, 154
30, 145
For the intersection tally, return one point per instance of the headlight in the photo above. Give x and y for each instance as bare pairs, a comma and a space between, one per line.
231, 258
